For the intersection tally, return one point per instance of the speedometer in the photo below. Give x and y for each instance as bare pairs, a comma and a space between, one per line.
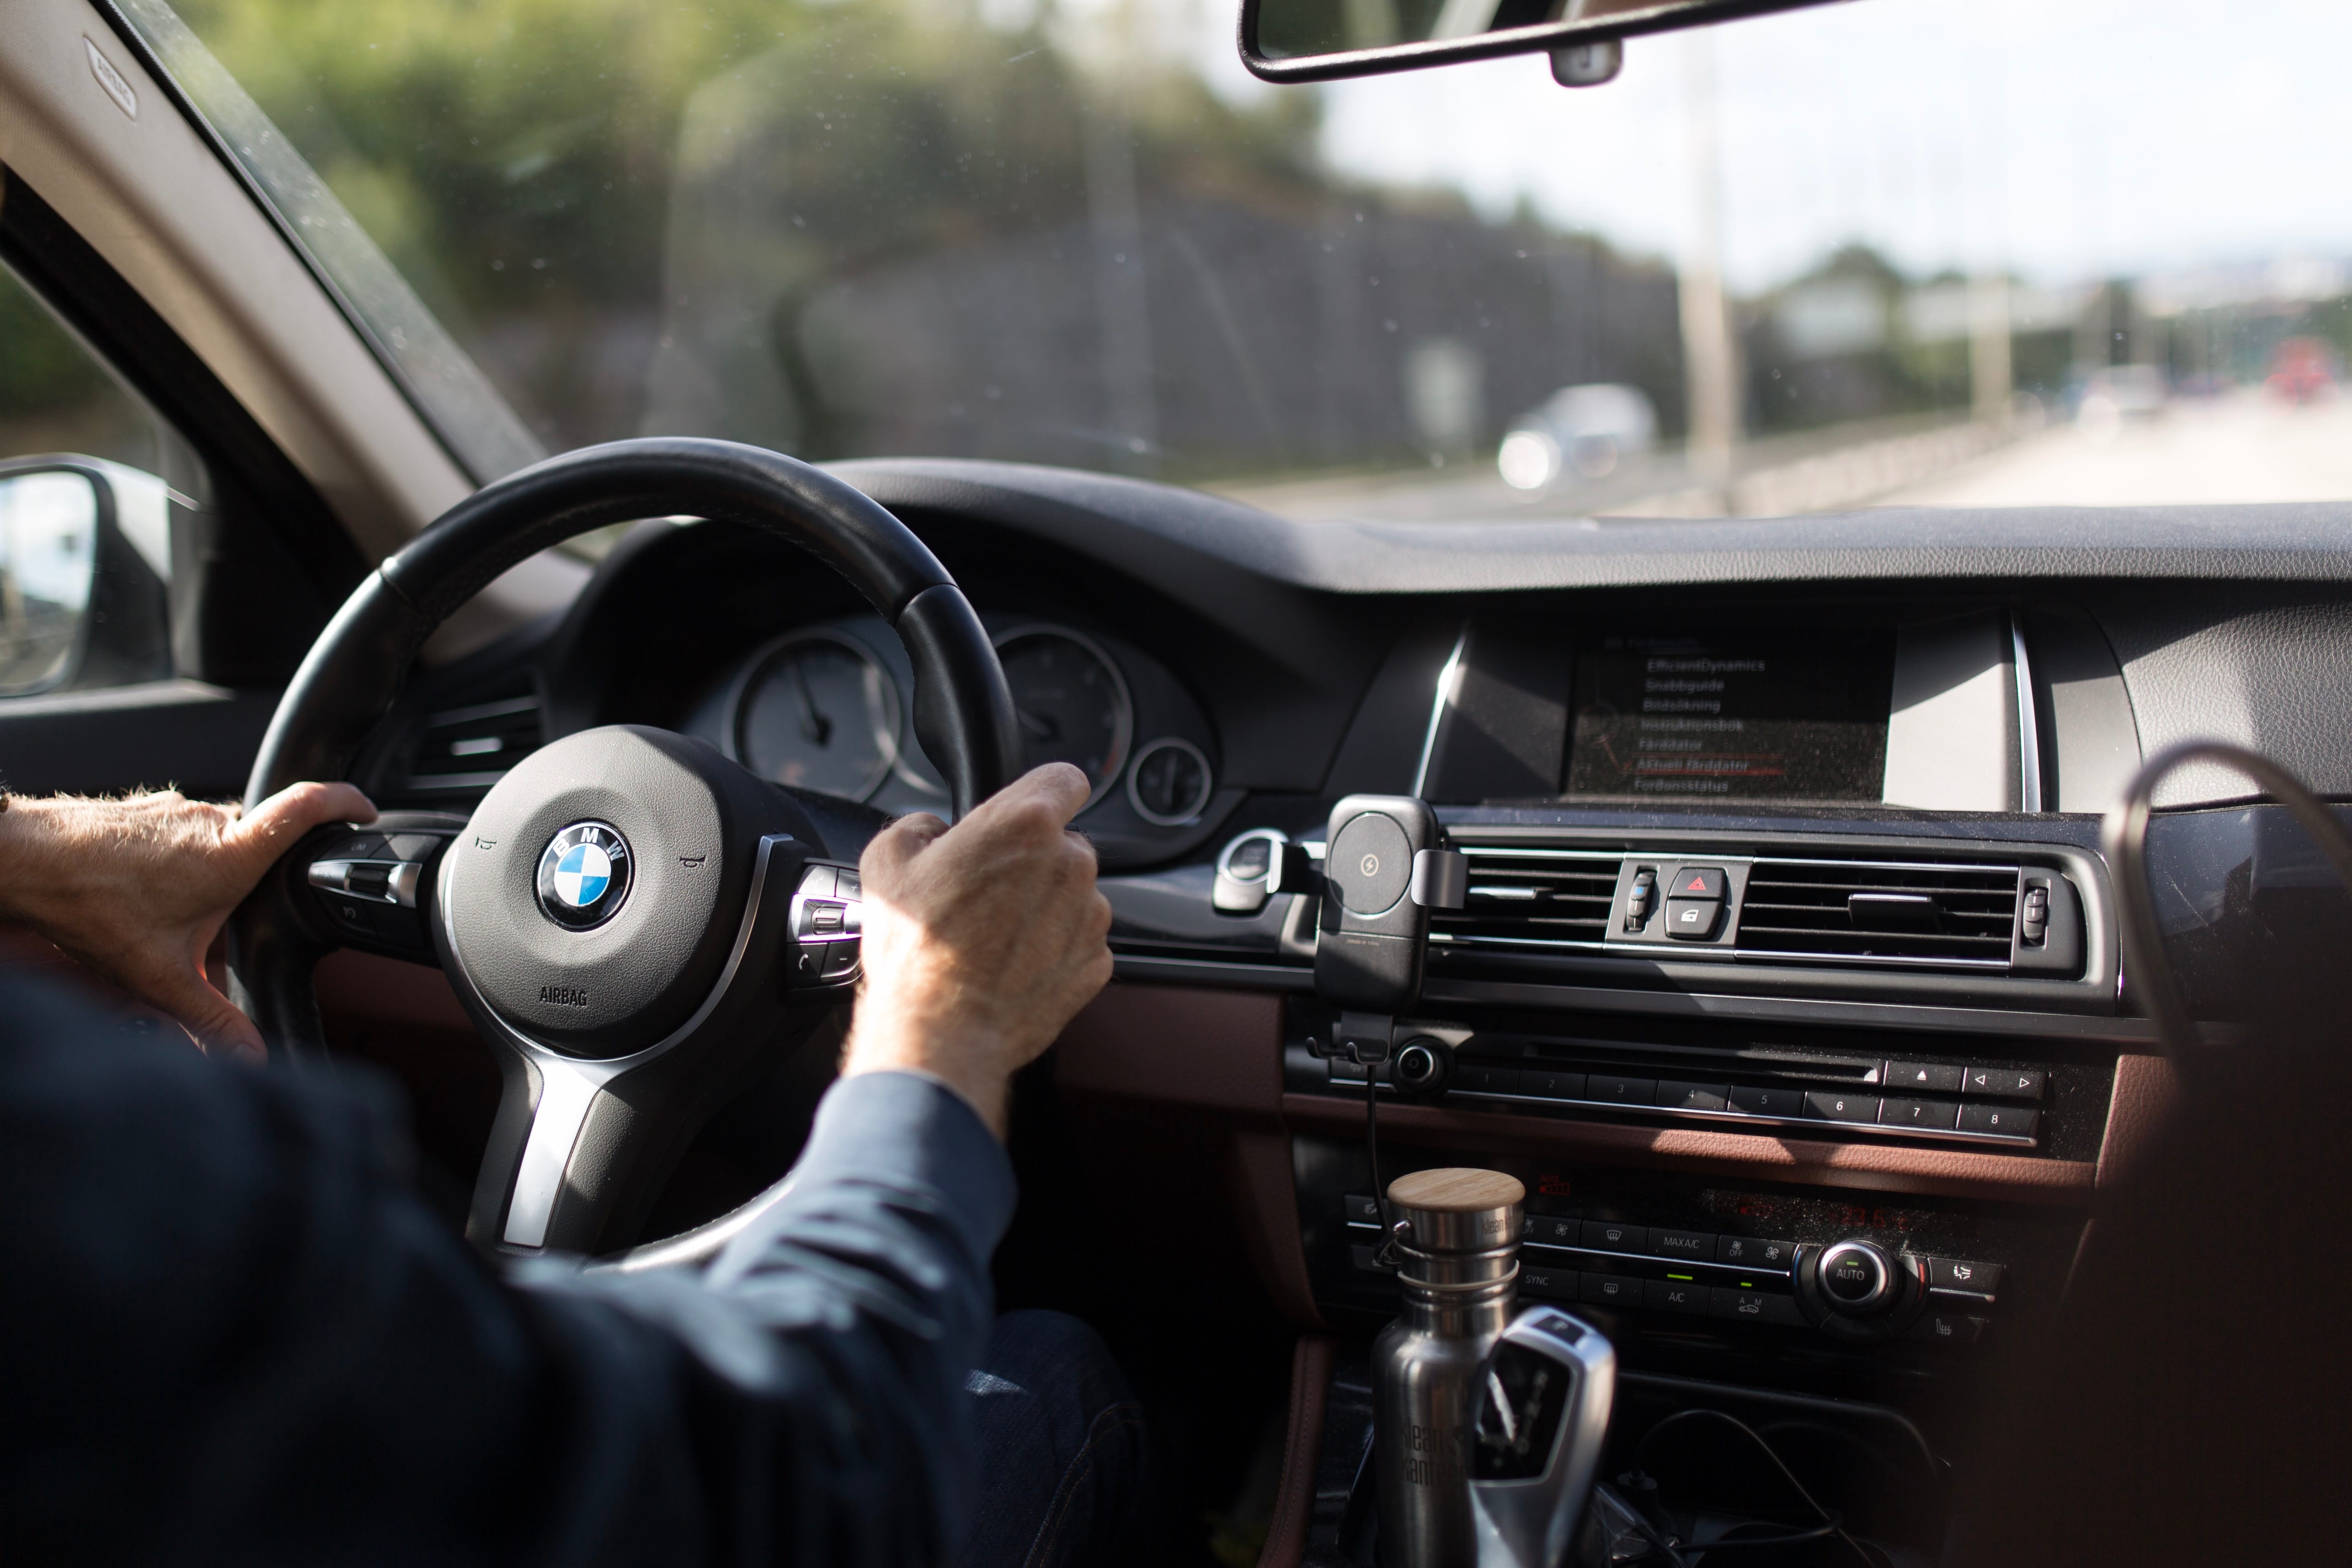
1071, 701
817, 711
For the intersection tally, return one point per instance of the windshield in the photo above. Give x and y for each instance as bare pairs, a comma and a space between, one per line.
1941, 252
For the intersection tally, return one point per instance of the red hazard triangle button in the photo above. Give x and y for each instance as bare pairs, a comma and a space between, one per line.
1697, 882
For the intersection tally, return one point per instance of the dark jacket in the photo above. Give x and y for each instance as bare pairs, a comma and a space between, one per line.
230, 1333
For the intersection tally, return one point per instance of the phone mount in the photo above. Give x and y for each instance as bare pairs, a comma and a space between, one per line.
1384, 868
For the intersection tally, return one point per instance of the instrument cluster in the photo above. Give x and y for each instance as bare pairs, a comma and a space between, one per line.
829, 706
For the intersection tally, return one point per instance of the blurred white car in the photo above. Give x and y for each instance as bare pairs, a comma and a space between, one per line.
1582, 430
2119, 394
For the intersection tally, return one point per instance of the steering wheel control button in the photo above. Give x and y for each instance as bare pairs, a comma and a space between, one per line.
1370, 864
583, 875
1856, 1278
1692, 920
826, 923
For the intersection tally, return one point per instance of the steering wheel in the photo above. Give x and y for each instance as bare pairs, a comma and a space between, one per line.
633, 922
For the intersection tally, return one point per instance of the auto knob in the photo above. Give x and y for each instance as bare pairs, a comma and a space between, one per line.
1857, 1278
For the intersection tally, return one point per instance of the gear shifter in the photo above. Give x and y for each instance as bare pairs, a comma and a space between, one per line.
1543, 1412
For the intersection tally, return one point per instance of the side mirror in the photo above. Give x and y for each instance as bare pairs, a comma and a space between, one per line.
1315, 40
84, 564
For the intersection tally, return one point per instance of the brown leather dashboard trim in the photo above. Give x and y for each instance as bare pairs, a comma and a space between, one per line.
1302, 1450
1210, 1050
2147, 1093
1958, 1174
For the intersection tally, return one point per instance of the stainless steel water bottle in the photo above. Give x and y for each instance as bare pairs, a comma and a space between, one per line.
1458, 1238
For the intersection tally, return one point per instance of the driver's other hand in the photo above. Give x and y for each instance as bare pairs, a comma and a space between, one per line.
137, 888
981, 940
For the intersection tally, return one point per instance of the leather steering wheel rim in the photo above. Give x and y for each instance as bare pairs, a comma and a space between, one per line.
963, 711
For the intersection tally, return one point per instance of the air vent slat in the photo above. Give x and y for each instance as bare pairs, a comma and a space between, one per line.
1542, 898
1901, 912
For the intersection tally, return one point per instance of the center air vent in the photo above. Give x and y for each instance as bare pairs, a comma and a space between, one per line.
1881, 912
1533, 898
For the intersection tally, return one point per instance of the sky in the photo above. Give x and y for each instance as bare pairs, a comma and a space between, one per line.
2061, 139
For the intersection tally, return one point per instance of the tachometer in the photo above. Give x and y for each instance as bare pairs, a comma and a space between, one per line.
817, 711
1071, 702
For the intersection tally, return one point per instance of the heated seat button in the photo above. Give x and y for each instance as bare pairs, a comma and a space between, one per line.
1836, 1105
1608, 1236
1947, 1328
1758, 1100
1363, 1209
1692, 920
2006, 1121
1697, 882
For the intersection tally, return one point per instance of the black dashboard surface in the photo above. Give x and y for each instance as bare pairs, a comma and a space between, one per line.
1299, 660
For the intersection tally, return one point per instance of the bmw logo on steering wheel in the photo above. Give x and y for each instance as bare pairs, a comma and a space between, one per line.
583, 875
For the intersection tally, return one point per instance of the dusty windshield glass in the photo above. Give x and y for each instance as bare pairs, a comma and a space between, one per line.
1943, 252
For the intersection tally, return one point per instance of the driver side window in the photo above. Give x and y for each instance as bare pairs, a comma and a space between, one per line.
90, 483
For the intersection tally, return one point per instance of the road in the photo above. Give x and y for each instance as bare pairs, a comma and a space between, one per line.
2246, 446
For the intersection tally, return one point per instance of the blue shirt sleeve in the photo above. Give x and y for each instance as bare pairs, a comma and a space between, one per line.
231, 1333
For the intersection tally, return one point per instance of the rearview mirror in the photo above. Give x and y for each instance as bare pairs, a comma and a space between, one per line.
1315, 40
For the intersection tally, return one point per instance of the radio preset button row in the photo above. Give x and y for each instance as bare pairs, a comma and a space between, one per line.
1991, 1119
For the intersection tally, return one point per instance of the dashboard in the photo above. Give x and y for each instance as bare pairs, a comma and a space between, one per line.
1786, 930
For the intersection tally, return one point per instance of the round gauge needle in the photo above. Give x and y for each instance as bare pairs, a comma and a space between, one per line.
1038, 726
813, 723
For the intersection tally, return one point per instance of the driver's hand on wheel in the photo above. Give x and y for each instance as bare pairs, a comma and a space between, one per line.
981, 940
137, 888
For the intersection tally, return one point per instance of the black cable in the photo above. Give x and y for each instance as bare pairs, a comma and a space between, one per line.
2124, 837
1832, 1526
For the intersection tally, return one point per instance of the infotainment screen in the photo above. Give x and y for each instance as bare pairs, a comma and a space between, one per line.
1767, 716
